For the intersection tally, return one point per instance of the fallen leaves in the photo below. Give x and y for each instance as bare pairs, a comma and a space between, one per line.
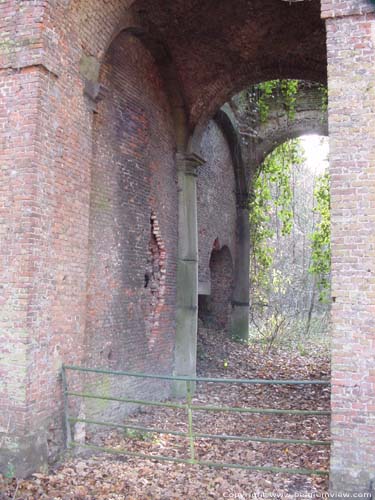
103, 477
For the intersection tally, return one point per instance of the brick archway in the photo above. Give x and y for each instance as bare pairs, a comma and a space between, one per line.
50, 55
221, 268
215, 308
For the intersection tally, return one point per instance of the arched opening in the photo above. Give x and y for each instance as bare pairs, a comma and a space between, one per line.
221, 267
217, 48
216, 205
290, 247
214, 309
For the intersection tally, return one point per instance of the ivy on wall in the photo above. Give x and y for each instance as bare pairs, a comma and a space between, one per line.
266, 91
274, 175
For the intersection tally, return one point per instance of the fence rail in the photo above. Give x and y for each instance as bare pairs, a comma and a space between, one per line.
190, 408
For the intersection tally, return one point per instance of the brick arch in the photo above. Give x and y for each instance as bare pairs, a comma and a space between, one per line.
245, 76
154, 45
117, 17
216, 198
230, 133
259, 40
172, 86
310, 118
221, 268
284, 135
315, 122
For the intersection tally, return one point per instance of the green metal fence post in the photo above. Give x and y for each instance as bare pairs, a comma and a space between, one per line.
190, 421
68, 429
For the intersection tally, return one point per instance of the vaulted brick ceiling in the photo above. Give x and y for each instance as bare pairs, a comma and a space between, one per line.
221, 46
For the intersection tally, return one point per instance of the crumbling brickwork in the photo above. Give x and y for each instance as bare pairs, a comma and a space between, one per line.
133, 225
47, 155
90, 122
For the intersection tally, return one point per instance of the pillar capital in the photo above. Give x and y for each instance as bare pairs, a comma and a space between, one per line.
189, 162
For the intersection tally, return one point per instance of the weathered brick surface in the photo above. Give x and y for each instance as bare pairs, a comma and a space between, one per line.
21, 33
309, 118
221, 47
67, 290
220, 304
18, 111
47, 151
133, 219
351, 70
216, 191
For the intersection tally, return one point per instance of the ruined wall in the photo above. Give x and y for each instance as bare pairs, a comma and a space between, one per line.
221, 47
17, 234
216, 217
47, 55
133, 219
49, 51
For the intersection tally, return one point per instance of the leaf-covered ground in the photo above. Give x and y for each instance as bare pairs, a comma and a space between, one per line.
107, 477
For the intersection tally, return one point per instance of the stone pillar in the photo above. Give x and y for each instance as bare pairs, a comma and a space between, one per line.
240, 302
351, 82
187, 268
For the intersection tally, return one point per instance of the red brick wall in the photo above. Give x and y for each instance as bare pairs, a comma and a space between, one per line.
133, 218
351, 71
221, 267
18, 216
216, 222
216, 192
338, 8
46, 133
222, 47
47, 173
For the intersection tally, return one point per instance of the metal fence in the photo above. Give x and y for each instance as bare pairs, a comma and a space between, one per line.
190, 408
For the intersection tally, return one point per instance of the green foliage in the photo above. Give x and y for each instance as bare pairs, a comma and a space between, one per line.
258, 98
289, 90
321, 237
139, 435
266, 91
274, 176
324, 91
10, 472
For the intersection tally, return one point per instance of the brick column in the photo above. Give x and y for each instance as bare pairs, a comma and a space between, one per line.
45, 153
187, 267
22, 73
351, 79
18, 220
